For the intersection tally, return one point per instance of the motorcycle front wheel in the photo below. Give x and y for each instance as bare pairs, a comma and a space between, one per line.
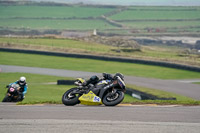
70, 99
112, 99
7, 99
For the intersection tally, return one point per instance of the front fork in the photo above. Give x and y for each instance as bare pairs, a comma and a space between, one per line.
113, 90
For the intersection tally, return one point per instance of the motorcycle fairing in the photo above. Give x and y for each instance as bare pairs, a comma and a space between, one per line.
90, 99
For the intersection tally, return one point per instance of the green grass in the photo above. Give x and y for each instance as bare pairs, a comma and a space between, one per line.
157, 14
160, 17
160, 93
179, 25
26, 17
53, 17
24, 11
39, 91
137, 12
90, 65
67, 44
43, 24
149, 53
165, 8
180, 100
130, 100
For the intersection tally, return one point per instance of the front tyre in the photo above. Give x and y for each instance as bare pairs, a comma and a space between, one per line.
7, 99
112, 99
70, 99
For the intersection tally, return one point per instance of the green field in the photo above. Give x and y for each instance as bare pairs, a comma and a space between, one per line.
55, 24
177, 25
53, 12
94, 66
156, 13
179, 18
67, 44
53, 17
77, 17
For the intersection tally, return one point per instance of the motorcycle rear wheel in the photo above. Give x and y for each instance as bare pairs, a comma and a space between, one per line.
69, 99
113, 99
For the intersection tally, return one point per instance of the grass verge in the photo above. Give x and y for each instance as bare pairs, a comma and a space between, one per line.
40, 91
160, 53
90, 65
180, 100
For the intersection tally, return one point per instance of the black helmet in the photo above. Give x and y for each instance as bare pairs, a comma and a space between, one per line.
120, 75
94, 78
107, 76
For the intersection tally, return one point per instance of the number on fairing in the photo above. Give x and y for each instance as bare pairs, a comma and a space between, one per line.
96, 99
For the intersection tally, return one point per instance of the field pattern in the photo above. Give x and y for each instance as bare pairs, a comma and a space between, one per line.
51, 11
52, 17
124, 20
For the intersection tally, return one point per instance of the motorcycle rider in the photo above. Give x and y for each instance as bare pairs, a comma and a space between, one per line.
95, 79
23, 86
119, 75
92, 82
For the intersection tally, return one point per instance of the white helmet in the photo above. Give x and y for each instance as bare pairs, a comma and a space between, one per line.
22, 80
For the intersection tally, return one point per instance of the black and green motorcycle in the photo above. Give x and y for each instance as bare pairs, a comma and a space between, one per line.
107, 92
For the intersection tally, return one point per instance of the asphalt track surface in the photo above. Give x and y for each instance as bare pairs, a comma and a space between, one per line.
98, 119
182, 87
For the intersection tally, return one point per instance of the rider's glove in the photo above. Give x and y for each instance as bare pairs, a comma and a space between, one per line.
84, 83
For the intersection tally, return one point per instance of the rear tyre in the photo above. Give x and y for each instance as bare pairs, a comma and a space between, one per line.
70, 99
112, 99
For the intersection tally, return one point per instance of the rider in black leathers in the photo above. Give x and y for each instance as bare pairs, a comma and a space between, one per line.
95, 79
92, 82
